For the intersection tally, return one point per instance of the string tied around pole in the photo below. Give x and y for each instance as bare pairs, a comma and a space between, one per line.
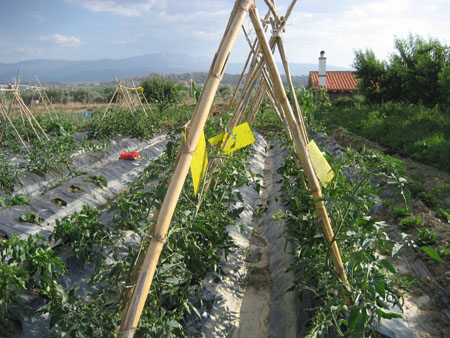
276, 32
188, 150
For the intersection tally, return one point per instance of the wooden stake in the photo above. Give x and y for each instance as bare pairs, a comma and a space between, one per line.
133, 312
300, 148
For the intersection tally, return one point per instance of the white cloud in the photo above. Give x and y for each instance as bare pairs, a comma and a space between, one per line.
118, 7
61, 40
36, 16
372, 24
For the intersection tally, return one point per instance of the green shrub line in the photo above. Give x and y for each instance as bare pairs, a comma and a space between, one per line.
413, 130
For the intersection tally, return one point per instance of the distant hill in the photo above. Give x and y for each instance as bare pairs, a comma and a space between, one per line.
105, 70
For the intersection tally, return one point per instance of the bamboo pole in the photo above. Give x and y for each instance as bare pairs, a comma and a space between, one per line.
30, 115
42, 94
6, 115
256, 67
138, 97
133, 312
301, 150
110, 102
260, 92
135, 271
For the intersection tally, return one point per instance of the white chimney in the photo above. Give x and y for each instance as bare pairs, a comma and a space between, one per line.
322, 69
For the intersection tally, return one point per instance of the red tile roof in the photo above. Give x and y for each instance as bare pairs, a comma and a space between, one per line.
336, 80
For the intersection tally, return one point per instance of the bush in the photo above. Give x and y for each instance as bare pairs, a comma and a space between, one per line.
163, 93
410, 129
123, 123
53, 154
344, 102
9, 175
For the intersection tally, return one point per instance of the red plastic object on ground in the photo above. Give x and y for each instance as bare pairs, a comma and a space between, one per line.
129, 156
216, 112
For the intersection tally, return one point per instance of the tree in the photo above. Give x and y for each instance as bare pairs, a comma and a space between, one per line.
225, 92
418, 63
161, 92
416, 72
444, 85
371, 74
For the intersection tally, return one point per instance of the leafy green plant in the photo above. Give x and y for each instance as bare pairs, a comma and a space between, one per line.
58, 127
18, 199
83, 233
28, 264
437, 253
426, 236
160, 91
401, 211
361, 238
121, 123
9, 175
89, 145
441, 213
51, 155
74, 189
98, 180
31, 217
196, 242
410, 222
79, 317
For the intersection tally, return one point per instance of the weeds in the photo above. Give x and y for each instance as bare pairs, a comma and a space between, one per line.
410, 222
426, 236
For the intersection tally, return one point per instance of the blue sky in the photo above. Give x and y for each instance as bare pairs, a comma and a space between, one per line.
95, 29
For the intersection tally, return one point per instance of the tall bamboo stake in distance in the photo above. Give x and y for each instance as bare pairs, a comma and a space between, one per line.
134, 309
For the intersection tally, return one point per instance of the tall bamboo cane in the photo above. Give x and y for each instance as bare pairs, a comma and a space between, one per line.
300, 148
134, 309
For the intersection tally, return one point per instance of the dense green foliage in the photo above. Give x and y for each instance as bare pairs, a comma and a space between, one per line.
51, 155
419, 72
160, 91
415, 131
361, 239
28, 264
9, 175
66, 95
123, 123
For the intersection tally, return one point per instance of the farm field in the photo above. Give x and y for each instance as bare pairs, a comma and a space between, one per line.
87, 214
163, 209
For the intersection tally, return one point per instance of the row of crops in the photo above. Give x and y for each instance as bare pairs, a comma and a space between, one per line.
75, 280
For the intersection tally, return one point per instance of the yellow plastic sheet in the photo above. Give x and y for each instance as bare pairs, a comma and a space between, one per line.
199, 163
323, 170
241, 137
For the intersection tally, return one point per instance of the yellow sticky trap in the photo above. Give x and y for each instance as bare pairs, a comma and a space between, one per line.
323, 170
241, 137
199, 163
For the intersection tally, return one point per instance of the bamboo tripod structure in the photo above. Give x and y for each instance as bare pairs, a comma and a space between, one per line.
293, 122
25, 113
131, 96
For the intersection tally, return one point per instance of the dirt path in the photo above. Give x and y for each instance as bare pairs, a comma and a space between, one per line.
255, 306
268, 310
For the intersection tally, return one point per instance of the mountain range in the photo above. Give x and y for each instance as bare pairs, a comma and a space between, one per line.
105, 70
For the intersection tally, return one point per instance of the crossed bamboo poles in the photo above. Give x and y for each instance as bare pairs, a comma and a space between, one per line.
131, 96
262, 67
26, 116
